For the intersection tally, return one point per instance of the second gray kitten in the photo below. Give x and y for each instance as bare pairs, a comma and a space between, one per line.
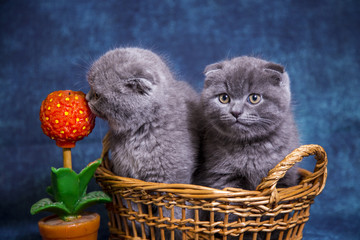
248, 123
248, 126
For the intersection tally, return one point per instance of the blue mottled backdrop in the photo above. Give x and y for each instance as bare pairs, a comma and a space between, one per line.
49, 45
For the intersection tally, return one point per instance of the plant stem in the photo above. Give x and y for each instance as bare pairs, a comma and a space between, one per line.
70, 218
67, 158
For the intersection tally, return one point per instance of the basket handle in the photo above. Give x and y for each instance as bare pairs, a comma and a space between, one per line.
105, 151
269, 183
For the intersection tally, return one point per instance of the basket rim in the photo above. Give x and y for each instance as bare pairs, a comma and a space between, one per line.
312, 182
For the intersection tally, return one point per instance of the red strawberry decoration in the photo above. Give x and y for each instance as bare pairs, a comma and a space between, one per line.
66, 117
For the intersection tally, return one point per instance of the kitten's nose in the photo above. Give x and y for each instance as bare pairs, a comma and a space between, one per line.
236, 114
87, 97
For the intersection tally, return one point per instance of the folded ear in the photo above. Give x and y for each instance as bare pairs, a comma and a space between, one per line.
277, 72
212, 68
275, 67
140, 85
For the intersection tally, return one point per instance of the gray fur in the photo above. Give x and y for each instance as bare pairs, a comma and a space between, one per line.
243, 141
149, 114
241, 154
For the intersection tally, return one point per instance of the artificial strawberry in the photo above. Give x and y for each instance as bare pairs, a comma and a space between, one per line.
66, 117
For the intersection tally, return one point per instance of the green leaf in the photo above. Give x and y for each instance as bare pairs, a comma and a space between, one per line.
92, 199
85, 176
65, 186
47, 205
69, 191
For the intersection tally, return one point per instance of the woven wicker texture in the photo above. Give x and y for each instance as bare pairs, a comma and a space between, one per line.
267, 213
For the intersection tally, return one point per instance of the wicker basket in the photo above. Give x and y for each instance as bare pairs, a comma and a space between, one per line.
267, 213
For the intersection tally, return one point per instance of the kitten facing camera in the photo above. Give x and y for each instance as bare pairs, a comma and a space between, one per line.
153, 136
248, 123
248, 126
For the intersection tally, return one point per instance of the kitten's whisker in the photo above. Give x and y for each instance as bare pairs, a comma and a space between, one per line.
266, 121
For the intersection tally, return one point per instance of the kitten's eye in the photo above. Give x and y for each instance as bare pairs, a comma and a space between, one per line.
96, 96
254, 98
224, 98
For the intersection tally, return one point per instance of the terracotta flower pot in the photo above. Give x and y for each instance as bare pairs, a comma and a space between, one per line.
84, 228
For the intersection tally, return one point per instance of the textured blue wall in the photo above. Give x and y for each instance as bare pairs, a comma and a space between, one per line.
49, 45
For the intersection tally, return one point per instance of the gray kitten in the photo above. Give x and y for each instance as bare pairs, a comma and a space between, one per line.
249, 126
150, 115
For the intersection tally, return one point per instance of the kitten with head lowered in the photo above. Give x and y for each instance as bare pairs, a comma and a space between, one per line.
153, 133
149, 113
